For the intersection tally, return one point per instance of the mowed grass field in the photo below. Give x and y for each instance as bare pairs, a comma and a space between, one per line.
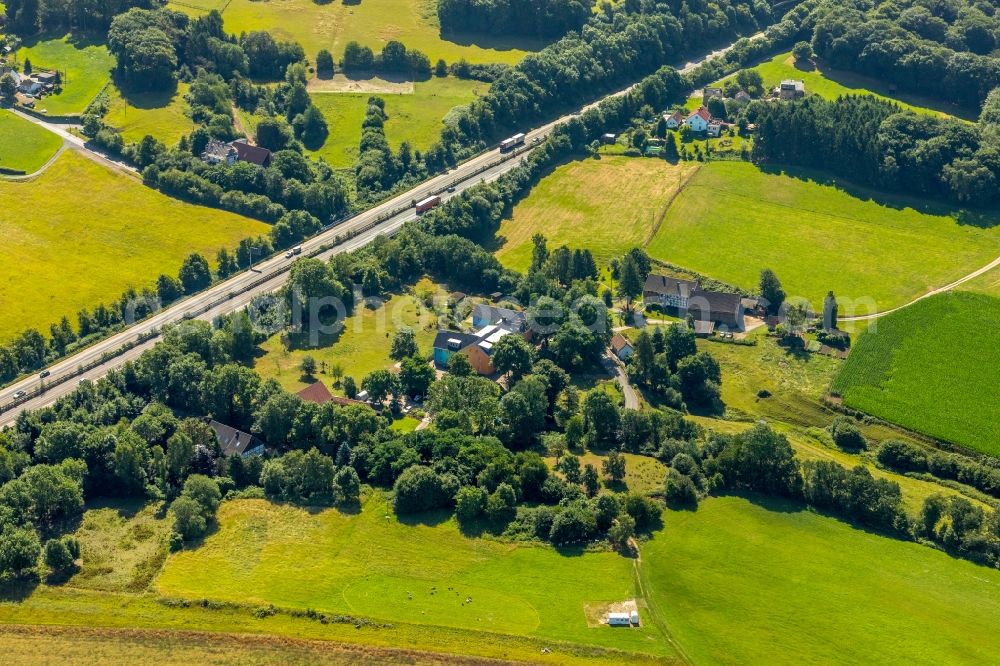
732, 220
830, 83
424, 572
161, 115
932, 367
84, 64
361, 347
987, 283
64, 250
24, 145
331, 25
763, 581
606, 205
415, 117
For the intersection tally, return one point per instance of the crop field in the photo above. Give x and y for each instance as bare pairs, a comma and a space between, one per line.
162, 115
830, 83
414, 117
932, 368
332, 25
763, 581
879, 251
88, 250
573, 206
419, 572
85, 66
24, 145
361, 347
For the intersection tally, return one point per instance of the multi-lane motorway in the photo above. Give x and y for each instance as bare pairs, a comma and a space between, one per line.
267, 276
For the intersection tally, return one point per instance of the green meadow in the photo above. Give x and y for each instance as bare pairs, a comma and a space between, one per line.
415, 117
24, 145
742, 581
420, 572
830, 83
732, 220
85, 66
362, 345
163, 115
86, 250
332, 25
987, 283
931, 367
573, 206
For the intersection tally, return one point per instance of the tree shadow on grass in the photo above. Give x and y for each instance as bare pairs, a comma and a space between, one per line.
148, 99
426, 519
981, 218
18, 589
495, 42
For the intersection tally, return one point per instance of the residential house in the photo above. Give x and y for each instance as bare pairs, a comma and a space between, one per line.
217, 152
791, 89
318, 393
743, 97
236, 442
609, 138
47, 79
29, 86
710, 92
674, 120
715, 128
699, 120
484, 314
667, 291
621, 347
722, 309
478, 346
247, 152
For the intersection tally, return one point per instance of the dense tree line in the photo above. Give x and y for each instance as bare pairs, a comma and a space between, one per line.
531, 18
983, 475
394, 58
937, 49
875, 142
27, 17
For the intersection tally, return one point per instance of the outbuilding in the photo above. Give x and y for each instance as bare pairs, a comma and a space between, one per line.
619, 620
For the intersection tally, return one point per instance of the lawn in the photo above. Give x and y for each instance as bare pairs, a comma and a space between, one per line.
763, 581
606, 205
832, 83
415, 117
24, 145
643, 474
932, 367
85, 250
361, 347
878, 251
85, 66
162, 115
332, 25
419, 572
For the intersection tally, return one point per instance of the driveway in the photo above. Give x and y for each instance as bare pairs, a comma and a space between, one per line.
616, 369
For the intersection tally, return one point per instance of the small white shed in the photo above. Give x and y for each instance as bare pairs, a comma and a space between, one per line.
619, 619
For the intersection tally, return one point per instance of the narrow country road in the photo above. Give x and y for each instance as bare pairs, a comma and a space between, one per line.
40, 170
617, 370
940, 290
82, 146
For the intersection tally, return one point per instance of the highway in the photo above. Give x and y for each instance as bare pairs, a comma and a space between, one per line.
269, 275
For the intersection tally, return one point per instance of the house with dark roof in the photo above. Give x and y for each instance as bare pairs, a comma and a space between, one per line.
247, 152
724, 309
236, 442
666, 291
791, 89
478, 346
217, 152
709, 92
484, 315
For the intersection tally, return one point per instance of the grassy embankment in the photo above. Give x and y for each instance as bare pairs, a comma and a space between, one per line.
85, 250
932, 368
84, 64
24, 145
